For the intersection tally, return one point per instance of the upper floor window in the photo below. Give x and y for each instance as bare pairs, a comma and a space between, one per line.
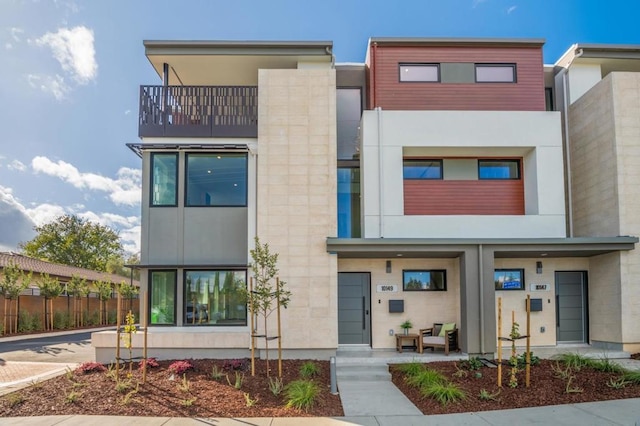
495, 73
164, 177
422, 169
420, 73
216, 179
499, 169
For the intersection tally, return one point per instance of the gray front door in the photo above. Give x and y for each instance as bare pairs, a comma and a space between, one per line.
571, 306
353, 308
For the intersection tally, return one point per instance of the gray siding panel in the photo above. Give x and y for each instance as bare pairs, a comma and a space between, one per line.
162, 245
215, 235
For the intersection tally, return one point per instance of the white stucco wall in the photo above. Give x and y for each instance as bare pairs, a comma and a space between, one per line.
535, 136
582, 77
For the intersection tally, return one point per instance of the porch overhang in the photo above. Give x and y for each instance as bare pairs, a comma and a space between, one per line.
501, 247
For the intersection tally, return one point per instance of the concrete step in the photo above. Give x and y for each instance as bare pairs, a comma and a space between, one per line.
363, 373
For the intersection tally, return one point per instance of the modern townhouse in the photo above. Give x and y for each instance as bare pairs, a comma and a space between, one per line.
423, 184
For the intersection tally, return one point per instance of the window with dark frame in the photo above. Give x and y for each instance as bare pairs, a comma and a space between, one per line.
419, 73
509, 279
162, 297
422, 169
495, 73
499, 169
215, 298
164, 179
216, 179
424, 280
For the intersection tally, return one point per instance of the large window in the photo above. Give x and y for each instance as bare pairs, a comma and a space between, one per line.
495, 73
422, 169
164, 173
162, 294
499, 169
217, 179
420, 73
215, 298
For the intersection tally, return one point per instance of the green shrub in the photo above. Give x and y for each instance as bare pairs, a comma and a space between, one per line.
411, 368
309, 369
473, 363
574, 361
522, 360
29, 322
425, 378
61, 320
444, 393
276, 386
301, 394
632, 377
606, 365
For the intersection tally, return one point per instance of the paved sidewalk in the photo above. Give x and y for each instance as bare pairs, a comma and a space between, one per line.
624, 412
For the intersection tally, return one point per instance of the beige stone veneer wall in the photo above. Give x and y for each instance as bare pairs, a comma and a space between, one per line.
423, 308
605, 165
296, 201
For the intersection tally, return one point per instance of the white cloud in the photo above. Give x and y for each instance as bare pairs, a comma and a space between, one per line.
125, 190
73, 49
128, 228
511, 9
54, 85
477, 3
17, 165
45, 213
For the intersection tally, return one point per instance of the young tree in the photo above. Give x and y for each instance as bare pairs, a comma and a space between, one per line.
70, 240
50, 289
104, 294
78, 289
127, 291
14, 280
266, 295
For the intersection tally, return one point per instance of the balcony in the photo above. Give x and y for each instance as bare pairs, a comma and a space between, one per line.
198, 111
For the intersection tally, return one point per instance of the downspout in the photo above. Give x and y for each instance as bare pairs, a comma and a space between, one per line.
380, 174
565, 106
481, 284
373, 75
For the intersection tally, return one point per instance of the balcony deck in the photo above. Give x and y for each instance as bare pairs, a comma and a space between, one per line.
198, 111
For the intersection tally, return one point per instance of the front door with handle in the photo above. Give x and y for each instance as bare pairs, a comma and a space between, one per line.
354, 306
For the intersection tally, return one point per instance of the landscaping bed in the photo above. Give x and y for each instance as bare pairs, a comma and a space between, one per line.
549, 385
165, 393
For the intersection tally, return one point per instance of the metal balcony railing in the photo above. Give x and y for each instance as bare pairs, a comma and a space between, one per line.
198, 111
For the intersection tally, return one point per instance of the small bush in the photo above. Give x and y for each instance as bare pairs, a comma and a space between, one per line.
301, 394
632, 377
574, 361
606, 365
309, 369
90, 367
275, 385
14, 399
485, 395
61, 320
188, 402
149, 362
238, 382
179, 367
216, 373
72, 397
473, 363
425, 378
185, 386
235, 364
444, 393
411, 368
250, 402
522, 360
619, 383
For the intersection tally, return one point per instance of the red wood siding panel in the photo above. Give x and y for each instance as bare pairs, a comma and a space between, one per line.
463, 197
525, 95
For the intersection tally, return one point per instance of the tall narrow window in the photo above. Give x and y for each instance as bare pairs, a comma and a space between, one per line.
420, 73
495, 73
422, 169
215, 298
499, 169
162, 294
217, 179
164, 176
349, 202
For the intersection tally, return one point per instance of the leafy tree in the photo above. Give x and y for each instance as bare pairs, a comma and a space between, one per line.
14, 280
265, 296
50, 288
116, 265
127, 291
71, 240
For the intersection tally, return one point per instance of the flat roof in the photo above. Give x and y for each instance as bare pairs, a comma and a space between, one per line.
434, 41
238, 47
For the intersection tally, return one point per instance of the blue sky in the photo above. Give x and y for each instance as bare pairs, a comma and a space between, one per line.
71, 69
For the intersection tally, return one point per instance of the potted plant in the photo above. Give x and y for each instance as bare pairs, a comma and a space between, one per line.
406, 325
